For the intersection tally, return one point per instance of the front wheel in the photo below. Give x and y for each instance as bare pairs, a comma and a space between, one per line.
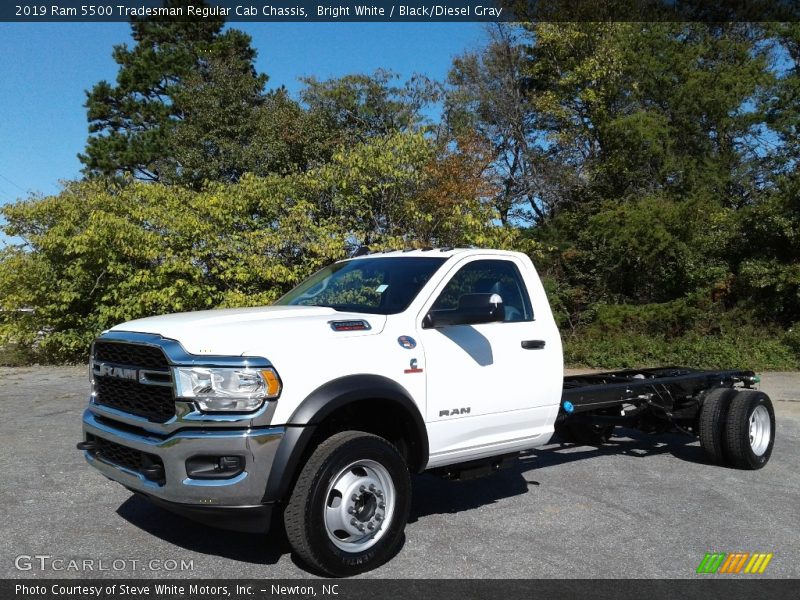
349, 507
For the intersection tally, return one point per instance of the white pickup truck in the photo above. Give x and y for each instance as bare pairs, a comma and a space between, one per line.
319, 408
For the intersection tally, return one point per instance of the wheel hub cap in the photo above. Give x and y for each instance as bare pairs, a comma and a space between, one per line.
760, 430
359, 505
365, 507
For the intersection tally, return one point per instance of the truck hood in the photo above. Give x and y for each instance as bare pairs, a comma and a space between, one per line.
251, 331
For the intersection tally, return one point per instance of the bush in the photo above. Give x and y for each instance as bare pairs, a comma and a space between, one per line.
680, 334
100, 253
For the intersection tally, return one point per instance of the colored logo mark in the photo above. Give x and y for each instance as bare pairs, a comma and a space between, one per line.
407, 342
736, 562
412, 367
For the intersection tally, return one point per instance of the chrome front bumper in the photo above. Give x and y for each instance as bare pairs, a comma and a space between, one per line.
258, 446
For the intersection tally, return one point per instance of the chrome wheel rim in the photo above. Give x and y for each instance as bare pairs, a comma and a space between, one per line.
359, 505
760, 430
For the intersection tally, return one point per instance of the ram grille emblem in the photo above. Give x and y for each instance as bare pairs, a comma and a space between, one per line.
103, 370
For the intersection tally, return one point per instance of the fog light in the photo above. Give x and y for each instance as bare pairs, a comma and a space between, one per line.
214, 467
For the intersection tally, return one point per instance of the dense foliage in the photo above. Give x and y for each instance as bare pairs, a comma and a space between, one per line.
185, 105
658, 164
649, 169
100, 253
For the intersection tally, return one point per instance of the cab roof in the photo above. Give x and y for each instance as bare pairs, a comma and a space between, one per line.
445, 252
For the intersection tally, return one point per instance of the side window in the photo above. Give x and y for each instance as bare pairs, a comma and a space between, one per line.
489, 277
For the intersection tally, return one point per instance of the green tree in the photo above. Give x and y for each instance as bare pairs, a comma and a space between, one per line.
98, 254
408, 189
657, 163
766, 253
487, 97
183, 108
654, 127
636, 108
355, 108
288, 137
101, 252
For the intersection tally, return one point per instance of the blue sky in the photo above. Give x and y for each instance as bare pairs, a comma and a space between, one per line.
45, 68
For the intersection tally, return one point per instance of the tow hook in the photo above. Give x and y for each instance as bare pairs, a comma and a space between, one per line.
153, 472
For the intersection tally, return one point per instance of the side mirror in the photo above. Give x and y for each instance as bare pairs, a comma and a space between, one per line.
473, 309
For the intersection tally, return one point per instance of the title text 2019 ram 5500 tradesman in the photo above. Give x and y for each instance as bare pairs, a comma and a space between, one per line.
374, 368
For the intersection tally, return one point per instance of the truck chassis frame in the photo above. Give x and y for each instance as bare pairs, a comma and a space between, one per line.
652, 399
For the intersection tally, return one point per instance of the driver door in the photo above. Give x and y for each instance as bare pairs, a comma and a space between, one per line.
481, 382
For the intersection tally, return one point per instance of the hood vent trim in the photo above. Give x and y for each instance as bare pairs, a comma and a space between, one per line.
350, 325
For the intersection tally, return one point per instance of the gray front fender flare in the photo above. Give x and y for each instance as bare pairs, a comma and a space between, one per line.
324, 401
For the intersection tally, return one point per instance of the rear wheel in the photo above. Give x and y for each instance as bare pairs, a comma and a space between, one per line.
712, 423
350, 504
750, 430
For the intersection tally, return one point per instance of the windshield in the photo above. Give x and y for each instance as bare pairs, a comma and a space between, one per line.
382, 286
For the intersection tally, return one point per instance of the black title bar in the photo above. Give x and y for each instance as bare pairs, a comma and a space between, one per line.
404, 11
700, 588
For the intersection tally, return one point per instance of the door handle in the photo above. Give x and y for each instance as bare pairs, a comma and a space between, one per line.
533, 344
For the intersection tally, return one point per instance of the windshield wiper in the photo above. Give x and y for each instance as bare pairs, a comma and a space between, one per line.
336, 307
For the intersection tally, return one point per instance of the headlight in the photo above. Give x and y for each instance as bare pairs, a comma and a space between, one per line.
227, 389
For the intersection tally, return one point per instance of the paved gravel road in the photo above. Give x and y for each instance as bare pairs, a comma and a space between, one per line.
640, 507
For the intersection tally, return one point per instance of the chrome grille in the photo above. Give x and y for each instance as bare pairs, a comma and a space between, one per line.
137, 355
153, 400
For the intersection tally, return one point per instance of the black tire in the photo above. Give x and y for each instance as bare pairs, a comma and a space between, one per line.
712, 423
584, 434
741, 444
304, 517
